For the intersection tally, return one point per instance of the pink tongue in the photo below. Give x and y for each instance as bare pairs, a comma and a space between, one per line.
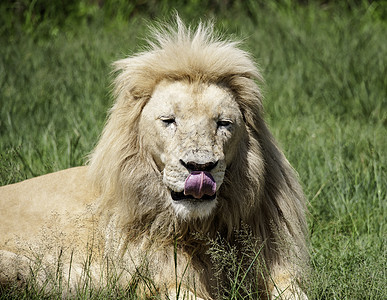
199, 184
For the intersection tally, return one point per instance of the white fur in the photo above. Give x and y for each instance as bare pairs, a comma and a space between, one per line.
188, 210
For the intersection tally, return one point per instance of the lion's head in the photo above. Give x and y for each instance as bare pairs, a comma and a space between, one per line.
192, 131
185, 146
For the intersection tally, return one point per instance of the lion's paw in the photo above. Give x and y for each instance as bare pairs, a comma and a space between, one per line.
187, 295
290, 292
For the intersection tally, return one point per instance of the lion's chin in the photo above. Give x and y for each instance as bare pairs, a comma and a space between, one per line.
187, 207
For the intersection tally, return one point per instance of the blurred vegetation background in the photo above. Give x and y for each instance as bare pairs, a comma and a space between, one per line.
28, 15
325, 70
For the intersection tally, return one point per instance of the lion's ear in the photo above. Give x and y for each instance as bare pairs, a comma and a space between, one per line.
252, 120
121, 64
134, 77
243, 116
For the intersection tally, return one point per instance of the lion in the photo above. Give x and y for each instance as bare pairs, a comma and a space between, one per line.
185, 158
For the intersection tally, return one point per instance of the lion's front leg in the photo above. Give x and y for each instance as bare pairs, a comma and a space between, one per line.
285, 287
13, 268
186, 295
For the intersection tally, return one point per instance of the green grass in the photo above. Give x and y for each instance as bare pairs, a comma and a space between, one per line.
325, 98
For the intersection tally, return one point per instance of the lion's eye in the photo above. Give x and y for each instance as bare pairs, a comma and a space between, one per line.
224, 123
168, 120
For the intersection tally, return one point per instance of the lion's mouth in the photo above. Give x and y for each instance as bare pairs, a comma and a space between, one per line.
180, 196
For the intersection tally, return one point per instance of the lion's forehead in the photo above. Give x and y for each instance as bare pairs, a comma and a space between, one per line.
189, 100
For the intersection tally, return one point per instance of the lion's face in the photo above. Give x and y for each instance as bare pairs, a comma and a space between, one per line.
192, 132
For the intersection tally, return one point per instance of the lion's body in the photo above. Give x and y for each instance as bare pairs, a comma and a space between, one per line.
185, 157
30, 205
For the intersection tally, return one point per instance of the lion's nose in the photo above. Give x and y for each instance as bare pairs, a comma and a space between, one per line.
193, 166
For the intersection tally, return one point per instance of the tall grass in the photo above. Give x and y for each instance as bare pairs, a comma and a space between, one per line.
325, 98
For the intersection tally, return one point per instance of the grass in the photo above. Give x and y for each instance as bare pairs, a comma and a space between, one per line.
325, 97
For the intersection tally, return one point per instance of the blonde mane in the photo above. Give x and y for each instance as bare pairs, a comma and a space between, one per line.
264, 193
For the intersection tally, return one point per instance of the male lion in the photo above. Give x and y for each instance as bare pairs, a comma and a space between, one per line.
185, 160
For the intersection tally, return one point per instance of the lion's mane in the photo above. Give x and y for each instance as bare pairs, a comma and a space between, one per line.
260, 188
